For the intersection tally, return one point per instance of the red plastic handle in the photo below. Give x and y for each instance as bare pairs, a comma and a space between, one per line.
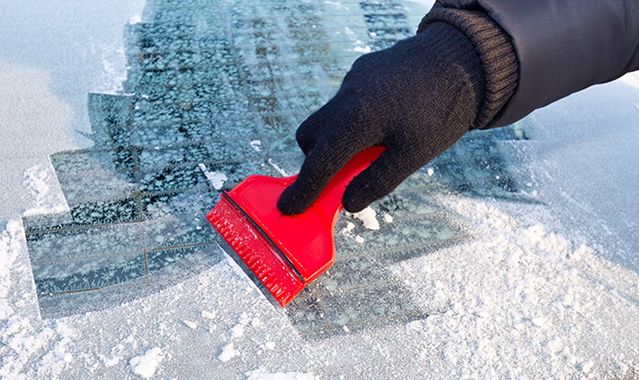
330, 200
305, 239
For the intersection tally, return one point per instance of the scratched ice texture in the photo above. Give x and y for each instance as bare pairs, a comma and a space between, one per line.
226, 86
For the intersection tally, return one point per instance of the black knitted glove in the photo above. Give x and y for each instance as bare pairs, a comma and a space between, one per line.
416, 98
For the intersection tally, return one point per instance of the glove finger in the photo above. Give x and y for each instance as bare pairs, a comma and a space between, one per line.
321, 164
306, 133
379, 179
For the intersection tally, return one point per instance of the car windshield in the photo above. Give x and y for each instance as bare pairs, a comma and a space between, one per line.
486, 260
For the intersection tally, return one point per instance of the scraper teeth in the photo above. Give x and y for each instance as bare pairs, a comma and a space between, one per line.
269, 281
258, 256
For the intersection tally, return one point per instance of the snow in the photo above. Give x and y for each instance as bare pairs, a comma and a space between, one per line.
256, 144
524, 300
535, 290
216, 179
348, 229
110, 362
43, 190
22, 334
359, 47
526, 270
135, 19
207, 314
260, 375
582, 168
631, 79
190, 324
146, 365
426, 3
368, 216
362, 49
44, 87
238, 330
39, 124
277, 167
228, 353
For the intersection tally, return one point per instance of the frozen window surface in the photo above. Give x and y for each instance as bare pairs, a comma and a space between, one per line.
202, 87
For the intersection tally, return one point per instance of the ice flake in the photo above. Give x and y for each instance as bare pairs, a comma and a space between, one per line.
347, 230
216, 179
368, 217
228, 353
261, 375
207, 314
192, 325
277, 167
146, 365
257, 145
362, 49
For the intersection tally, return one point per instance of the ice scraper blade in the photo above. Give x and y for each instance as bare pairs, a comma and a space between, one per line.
285, 253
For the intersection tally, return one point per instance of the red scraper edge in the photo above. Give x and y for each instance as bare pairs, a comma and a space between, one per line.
285, 253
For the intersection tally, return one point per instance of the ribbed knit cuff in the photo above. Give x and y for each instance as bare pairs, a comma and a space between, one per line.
495, 50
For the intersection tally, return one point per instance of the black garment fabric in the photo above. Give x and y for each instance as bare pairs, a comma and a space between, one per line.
496, 53
562, 46
416, 98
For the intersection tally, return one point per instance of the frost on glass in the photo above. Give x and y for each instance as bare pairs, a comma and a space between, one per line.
220, 87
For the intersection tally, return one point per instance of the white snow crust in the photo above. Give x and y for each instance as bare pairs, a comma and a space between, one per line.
260, 375
146, 365
216, 179
368, 216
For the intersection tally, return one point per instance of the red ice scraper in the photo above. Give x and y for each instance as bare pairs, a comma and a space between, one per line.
284, 252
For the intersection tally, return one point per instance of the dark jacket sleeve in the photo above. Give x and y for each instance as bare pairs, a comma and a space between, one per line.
562, 46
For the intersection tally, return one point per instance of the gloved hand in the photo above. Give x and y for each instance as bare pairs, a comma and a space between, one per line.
416, 98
